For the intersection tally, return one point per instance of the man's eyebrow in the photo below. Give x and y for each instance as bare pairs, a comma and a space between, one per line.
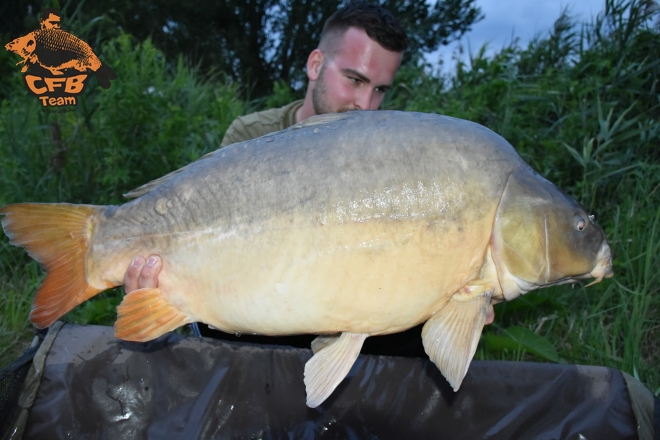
356, 73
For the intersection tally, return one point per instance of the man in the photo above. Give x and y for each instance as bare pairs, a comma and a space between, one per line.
50, 18
358, 56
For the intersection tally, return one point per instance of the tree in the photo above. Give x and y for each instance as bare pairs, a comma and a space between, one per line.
258, 42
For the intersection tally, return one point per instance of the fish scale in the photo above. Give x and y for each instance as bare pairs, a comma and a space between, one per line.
59, 40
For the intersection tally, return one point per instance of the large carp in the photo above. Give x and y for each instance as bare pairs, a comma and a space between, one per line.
345, 225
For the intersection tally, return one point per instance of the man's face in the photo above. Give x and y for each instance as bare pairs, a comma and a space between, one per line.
53, 22
356, 77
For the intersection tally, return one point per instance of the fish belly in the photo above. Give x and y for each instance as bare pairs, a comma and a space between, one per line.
370, 277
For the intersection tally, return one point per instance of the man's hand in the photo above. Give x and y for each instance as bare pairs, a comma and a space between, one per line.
142, 273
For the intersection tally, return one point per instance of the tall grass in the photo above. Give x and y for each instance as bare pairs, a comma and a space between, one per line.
580, 104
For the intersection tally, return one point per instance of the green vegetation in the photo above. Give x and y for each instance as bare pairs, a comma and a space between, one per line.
581, 105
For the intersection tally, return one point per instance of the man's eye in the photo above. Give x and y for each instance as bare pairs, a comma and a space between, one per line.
355, 81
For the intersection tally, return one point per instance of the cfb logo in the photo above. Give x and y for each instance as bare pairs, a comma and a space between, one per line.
52, 50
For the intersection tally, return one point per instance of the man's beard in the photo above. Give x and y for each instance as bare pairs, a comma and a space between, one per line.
320, 95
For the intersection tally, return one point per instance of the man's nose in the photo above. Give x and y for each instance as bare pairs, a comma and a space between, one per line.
363, 100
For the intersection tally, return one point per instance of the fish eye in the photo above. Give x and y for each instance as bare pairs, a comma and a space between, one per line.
580, 223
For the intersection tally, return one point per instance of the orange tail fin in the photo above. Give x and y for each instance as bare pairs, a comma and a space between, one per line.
57, 236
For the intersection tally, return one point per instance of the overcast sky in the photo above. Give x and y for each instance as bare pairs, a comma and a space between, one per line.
518, 18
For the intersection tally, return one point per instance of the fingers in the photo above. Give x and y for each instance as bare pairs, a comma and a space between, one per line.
149, 274
142, 273
490, 317
133, 273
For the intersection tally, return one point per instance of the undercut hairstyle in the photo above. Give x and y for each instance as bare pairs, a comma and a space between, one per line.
379, 24
46, 13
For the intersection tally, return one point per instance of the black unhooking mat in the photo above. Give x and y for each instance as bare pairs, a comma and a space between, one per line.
85, 384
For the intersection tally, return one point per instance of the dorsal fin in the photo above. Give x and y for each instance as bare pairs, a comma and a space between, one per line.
148, 187
311, 121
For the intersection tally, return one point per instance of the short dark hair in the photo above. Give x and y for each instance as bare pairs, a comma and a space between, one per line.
379, 24
46, 13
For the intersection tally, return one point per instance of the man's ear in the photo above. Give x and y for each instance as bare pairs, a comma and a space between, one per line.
314, 64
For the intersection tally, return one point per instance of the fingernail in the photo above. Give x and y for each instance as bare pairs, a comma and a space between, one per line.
137, 261
152, 261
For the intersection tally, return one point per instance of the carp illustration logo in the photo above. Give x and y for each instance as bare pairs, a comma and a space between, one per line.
56, 62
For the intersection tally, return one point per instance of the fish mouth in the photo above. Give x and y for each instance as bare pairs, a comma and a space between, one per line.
603, 268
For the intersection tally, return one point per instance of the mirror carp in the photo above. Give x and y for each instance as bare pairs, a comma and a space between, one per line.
346, 226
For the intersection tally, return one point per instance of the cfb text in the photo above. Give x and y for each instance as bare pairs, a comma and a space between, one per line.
68, 85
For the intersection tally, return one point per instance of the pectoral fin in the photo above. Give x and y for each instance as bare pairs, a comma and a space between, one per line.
451, 335
144, 315
333, 358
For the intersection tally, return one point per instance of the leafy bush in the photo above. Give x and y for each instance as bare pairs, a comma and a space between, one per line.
154, 118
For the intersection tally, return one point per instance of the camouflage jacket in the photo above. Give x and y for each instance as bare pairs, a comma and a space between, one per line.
258, 124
